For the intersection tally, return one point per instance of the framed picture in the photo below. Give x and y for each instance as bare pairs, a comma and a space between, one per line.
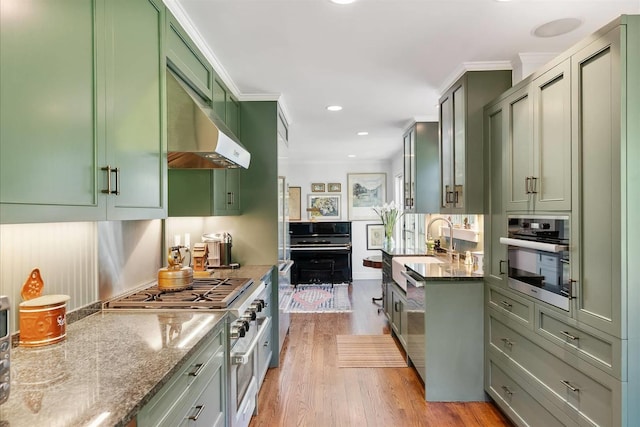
364, 192
334, 187
294, 204
317, 187
323, 206
375, 236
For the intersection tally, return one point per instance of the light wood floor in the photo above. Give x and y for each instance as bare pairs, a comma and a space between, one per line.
308, 389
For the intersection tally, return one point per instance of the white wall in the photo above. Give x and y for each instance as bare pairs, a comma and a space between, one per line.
302, 174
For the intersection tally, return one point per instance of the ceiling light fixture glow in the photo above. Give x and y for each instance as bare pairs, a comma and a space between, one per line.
363, 133
334, 108
342, 1
351, 155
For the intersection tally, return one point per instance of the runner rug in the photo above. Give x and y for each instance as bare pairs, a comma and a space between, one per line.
319, 299
369, 351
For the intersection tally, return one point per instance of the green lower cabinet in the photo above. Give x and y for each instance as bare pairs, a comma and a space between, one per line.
97, 103
204, 192
195, 395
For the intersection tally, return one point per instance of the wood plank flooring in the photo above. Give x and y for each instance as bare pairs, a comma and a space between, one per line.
308, 389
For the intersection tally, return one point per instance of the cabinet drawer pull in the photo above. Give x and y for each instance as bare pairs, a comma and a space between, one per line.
395, 307
500, 266
569, 386
506, 304
568, 335
507, 390
507, 342
197, 371
195, 416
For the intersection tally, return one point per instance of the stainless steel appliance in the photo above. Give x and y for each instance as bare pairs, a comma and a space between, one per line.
5, 349
248, 330
321, 252
538, 257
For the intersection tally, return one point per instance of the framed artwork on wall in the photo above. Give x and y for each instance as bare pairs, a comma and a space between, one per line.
334, 187
375, 236
323, 206
294, 204
317, 187
364, 192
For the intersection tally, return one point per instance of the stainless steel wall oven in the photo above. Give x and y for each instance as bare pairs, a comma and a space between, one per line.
538, 257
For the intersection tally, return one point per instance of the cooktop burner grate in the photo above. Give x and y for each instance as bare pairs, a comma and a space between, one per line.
205, 293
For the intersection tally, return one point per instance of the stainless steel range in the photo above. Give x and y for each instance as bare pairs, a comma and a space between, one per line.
248, 325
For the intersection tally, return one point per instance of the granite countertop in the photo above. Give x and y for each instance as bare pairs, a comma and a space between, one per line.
111, 364
446, 270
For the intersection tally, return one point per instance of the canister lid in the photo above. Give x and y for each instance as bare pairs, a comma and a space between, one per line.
45, 300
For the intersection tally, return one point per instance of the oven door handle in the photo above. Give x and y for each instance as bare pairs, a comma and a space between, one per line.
547, 247
243, 358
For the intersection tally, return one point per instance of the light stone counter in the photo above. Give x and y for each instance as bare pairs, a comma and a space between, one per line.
110, 363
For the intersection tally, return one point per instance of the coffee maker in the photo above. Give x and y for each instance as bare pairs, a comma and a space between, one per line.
219, 245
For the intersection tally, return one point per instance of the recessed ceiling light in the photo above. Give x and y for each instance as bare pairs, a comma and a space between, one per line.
363, 133
342, 1
557, 27
351, 155
334, 108
503, 0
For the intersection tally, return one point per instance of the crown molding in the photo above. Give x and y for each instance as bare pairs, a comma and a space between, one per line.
178, 12
474, 66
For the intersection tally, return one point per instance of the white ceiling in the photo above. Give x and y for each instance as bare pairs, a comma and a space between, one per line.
385, 61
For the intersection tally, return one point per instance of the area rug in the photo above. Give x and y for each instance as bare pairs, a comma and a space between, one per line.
369, 351
319, 299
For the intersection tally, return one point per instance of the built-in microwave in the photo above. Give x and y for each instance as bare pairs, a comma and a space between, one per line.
538, 257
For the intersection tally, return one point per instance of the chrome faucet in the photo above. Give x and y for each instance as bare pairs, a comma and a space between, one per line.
452, 246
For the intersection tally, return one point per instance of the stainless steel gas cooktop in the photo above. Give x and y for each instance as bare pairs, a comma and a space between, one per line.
206, 293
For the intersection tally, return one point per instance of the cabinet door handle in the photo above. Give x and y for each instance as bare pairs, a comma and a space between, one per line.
230, 198
507, 342
572, 284
109, 171
199, 410
568, 335
395, 307
526, 185
500, 266
534, 185
507, 390
197, 371
569, 386
506, 304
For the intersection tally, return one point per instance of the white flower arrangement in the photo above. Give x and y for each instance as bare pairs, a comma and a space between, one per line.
389, 215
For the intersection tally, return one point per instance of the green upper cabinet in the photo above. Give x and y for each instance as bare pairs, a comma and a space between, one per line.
219, 99
50, 145
233, 115
600, 232
135, 130
62, 124
495, 223
539, 148
186, 59
461, 139
421, 168
218, 192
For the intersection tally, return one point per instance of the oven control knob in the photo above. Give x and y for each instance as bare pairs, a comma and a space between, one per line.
257, 305
264, 303
237, 331
249, 315
245, 324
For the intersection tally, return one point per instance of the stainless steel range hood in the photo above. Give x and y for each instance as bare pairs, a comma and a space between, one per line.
196, 137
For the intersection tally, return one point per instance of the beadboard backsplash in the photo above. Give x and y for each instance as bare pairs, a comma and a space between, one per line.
65, 253
89, 261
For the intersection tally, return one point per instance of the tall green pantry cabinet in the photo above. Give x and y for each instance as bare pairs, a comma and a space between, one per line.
82, 110
544, 365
